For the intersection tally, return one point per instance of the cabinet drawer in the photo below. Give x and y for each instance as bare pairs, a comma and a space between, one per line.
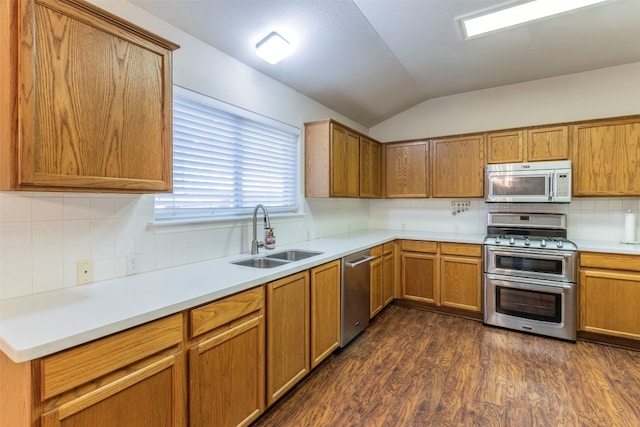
461, 249
218, 313
419, 246
387, 247
610, 261
71, 368
376, 251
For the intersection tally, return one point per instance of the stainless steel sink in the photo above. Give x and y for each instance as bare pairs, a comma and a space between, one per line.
293, 255
277, 259
261, 262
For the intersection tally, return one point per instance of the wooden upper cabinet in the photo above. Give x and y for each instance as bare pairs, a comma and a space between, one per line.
370, 171
547, 143
528, 145
605, 158
506, 147
332, 160
458, 166
90, 101
345, 162
407, 169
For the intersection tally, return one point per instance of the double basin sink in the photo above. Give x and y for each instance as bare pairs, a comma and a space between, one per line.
277, 259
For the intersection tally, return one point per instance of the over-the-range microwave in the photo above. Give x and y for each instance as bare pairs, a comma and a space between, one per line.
535, 182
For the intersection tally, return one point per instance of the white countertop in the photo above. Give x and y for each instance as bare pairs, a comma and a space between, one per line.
38, 325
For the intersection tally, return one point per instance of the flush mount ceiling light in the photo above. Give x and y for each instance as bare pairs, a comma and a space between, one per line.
488, 21
273, 48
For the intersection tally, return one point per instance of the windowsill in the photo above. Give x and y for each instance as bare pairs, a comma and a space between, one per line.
162, 227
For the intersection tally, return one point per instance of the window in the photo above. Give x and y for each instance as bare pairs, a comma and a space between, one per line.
227, 160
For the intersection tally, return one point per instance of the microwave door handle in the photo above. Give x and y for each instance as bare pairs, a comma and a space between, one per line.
551, 186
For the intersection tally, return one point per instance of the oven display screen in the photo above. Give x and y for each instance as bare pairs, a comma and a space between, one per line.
534, 265
529, 304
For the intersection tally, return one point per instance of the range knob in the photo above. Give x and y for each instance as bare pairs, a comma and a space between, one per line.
497, 240
559, 243
512, 241
543, 243
527, 242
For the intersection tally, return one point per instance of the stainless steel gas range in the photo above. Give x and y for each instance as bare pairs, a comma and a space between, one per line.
530, 274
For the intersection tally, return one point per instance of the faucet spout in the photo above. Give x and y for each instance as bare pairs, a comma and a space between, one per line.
267, 224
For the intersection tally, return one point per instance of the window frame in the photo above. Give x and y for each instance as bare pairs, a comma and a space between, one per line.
245, 212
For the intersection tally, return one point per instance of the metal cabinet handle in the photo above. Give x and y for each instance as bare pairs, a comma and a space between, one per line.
360, 261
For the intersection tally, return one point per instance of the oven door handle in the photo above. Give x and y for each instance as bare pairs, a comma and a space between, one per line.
529, 284
530, 254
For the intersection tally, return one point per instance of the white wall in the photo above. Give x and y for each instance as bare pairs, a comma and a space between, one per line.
607, 92
43, 235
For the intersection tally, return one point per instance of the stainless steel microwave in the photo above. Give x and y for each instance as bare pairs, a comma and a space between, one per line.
535, 182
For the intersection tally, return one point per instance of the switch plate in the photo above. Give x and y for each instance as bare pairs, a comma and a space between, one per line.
84, 271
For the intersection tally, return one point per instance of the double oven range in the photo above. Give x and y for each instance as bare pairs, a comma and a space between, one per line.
530, 274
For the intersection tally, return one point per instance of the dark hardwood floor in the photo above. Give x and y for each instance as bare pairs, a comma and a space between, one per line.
418, 368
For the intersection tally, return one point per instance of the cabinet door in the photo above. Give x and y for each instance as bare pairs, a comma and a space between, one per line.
325, 311
370, 157
420, 277
228, 368
388, 274
375, 295
98, 114
133, 378
609, 302
549, 143
288, 358
458, 167
148, 396
227, 360
345, 162
605, 158
407, 169
506, 147
461, 282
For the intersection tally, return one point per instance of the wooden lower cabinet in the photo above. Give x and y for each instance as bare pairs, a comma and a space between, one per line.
609, 289
376, 276
227, 361
461, 276
132, 378
388, 273
419, 276
325, 311
442, 274
288, 331
382, 272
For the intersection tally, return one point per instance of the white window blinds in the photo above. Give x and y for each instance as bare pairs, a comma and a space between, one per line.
226, 160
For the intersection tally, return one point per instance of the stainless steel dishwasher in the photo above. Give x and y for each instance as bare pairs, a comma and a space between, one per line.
354, 303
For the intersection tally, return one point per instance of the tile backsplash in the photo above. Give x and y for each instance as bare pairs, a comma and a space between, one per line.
43, 235
587, 218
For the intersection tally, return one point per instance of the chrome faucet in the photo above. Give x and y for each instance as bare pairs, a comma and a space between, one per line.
267, 225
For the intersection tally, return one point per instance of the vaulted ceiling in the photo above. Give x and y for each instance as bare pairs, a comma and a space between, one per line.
371, 59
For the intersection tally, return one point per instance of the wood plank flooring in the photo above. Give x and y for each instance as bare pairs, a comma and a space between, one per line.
418, 368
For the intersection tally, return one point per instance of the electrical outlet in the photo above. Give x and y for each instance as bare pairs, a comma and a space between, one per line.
132, 264
84, 271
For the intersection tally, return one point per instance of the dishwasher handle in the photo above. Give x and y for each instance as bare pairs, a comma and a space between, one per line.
358, 262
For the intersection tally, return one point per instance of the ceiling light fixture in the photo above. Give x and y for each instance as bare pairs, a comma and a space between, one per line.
488, 21
273, 48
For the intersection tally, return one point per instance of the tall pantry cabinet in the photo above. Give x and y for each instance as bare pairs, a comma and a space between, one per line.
87, 100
